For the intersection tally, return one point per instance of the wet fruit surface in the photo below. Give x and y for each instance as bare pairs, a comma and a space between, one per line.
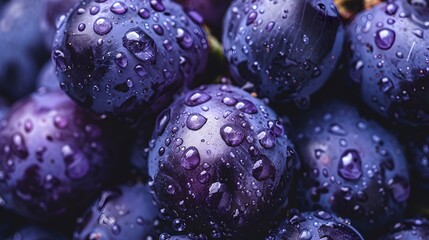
388, 54
350, 166
221, 160
287, 49
54, 156
417, 228
126, 58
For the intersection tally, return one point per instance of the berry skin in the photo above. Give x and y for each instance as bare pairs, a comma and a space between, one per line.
415, 229
127, 58
54, 156
221, 162
318, 225
121, 213
387, 47
351, 166
21, 48
286, 48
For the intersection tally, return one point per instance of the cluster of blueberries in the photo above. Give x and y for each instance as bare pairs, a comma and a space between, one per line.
213, 119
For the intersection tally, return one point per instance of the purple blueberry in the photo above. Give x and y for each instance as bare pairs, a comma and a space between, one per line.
21, 48
351, 166
415, 229
127, 58
387, 47
122, 213
54, 156
286, 48
221, 162
318, 225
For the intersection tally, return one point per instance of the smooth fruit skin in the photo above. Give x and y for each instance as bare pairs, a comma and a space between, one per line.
286, 48
22, 52
125, 212
350, 166
387, 48
128, 58
221, 162
317, 225
415, 229
54, 156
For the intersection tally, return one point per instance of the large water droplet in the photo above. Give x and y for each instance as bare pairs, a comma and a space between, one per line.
385, 84
267, 139
251, 17
179, 225
246, 106
350, 165
232, 135
391, 8
384, 38
158, 29
263, 169
190, 158
102, 26
140, 45
197, 98
157, 5
162, 121
400, 188
121, 59
144, 13
94, 10
195, 121
18, 146
184, 39
60, 61
119, 8
218, 197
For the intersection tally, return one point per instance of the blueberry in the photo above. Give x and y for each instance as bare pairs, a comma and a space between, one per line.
126, 58
416, 229
54, 156
53, 12
318, 225
287, 49
351, 166
387, 50
126, 212
33, 232
47, 78
221, 162
21, 47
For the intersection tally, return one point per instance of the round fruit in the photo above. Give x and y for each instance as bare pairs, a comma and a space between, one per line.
416, 229
351, 166
221, 162
286, 48
127, 58
54, 156
121, 213
387, 47
319, 225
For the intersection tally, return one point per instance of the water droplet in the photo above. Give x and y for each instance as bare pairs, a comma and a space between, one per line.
246, 106
162, 121
184, 39
28, 125
158, 29
81, 27
400, 188
18, 146
141, 45
106, 197
232, 135
263, 169
385, 38
203, 177
251, 17
157, 5
144, 13
94, 10
119, 8
350, 165
179, 225
171, 190
391, 8
190, 158
323, 215
121, 59
276, 127
78, 168
267, 139
102, 26
60, 122
167, 45
385, 84
270, 26
139, 69
195, 121
229, 101
305, 39
418, 32
59, 59
337, 129
197, 98
305, 235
